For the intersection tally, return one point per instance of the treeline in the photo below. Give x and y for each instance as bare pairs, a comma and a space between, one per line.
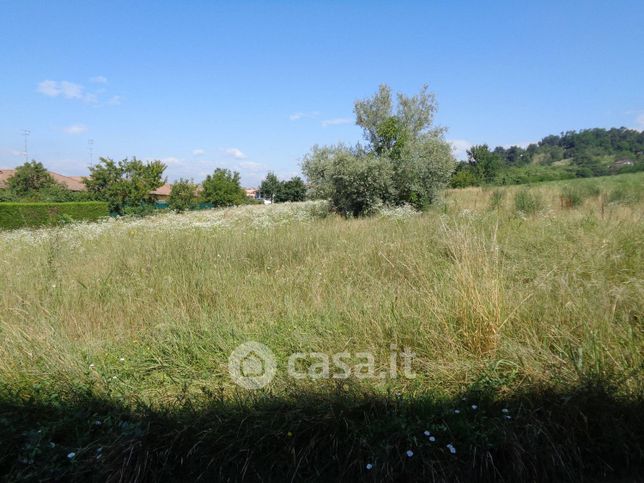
572, 154
127, 187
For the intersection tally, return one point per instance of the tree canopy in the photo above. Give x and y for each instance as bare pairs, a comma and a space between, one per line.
223, 188
270, 186
183, 195
406, 158
278, 191
589, 152
30, 178
126, 183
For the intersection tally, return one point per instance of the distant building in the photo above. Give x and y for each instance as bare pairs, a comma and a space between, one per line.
621, 163
253, 193
162, 193
75, 183
72, 183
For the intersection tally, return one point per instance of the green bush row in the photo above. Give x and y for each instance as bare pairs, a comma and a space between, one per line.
21, 215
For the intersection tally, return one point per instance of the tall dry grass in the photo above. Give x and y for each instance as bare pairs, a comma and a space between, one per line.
115, 337
553, 295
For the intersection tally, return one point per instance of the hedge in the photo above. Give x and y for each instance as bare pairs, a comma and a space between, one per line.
21, 215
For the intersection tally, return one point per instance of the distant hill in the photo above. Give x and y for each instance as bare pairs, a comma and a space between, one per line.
571, 154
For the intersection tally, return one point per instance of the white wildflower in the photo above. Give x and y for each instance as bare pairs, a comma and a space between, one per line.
71, 456
474, 407
369, 466
457, 411
451, 448
427, 433
432, 439
409, 453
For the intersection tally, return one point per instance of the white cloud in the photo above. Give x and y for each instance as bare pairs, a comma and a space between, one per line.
171, 161
235, 153
75, 129
71, 90
337, 121
99, 79
296, 116
198, 152
460, 147
68, 90
251, 166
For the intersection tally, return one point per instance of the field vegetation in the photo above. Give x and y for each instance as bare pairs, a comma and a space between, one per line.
523, 306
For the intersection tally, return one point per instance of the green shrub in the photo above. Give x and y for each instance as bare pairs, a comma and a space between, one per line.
528, 202
571, 196
496, 199
590, 189
144, 209
183, 195
625, 193
574, 195
7, 195
21, 215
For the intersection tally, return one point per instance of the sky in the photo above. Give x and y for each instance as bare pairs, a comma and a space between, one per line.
252, 86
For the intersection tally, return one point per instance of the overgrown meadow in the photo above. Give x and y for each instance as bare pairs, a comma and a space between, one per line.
523, 307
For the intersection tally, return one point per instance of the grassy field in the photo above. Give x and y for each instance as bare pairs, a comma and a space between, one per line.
523, 307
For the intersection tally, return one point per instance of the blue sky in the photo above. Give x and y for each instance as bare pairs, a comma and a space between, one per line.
252, 86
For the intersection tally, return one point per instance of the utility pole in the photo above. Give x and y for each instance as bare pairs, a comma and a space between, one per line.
91, 151
26, 133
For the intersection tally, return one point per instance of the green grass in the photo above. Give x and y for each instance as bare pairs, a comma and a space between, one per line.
117, 336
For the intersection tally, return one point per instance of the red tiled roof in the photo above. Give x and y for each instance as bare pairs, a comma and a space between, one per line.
75, 183
72, 183
5, 174
163, 190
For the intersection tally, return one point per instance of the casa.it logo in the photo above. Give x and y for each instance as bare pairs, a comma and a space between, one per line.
252, 365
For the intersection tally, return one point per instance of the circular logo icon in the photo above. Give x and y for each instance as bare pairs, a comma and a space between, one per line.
252, 365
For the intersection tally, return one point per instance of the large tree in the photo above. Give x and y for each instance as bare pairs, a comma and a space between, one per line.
293, 189
223, 188
485, 163
270, 187
406, 159
183, 195
127, 183
29, 179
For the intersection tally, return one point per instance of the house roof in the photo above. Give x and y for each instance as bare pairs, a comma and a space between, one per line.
73, 183
163, 190
5, 174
